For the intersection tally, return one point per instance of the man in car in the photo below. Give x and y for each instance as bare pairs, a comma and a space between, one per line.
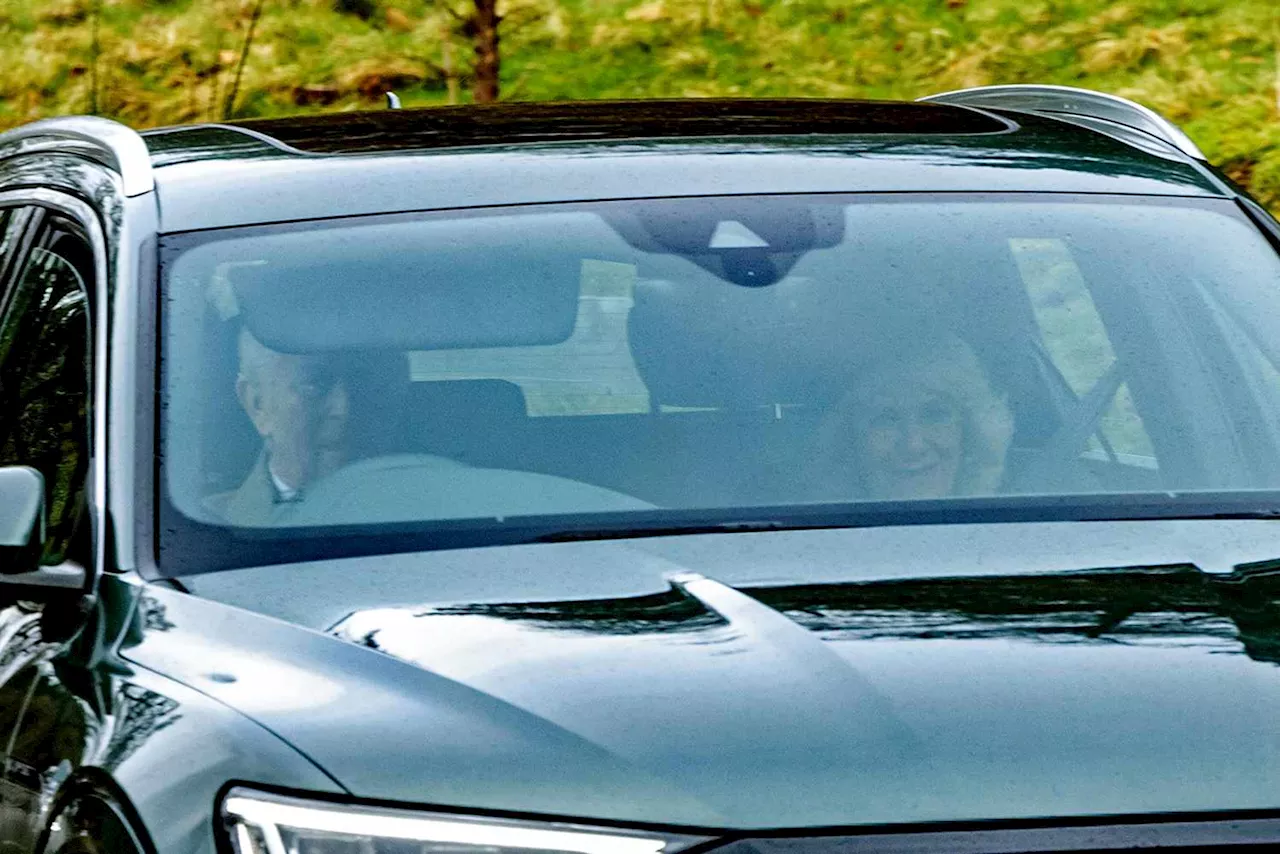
300, 406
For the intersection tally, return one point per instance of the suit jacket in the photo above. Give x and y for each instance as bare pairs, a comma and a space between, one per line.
253, 504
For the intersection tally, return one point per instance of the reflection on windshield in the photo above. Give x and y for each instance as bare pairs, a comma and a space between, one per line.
587, 361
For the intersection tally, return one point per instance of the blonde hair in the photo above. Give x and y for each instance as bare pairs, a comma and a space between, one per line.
942, 364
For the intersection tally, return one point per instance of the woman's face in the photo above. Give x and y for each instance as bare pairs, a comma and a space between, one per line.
910, 443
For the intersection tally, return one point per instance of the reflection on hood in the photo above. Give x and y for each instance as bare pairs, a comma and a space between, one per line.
1175, 603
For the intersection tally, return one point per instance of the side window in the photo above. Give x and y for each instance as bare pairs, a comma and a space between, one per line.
44, 378
1261, 372
1076, 342
13, 223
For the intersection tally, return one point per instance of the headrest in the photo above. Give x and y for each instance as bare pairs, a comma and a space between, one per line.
699, 340
467, 420
716, 344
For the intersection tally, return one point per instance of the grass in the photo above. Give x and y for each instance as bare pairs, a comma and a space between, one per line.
1210, 65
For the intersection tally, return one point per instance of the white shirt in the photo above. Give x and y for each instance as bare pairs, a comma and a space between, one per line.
284, 492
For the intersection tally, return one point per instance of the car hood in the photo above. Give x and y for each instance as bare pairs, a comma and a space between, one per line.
1075, 688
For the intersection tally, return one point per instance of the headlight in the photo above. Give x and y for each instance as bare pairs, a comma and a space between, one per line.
261, 823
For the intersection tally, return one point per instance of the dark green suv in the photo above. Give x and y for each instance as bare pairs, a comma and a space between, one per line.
624, 478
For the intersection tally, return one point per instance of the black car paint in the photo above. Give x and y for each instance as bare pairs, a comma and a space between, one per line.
599, 121
158, 705
883, 694
909, 680
94, 727
275, 185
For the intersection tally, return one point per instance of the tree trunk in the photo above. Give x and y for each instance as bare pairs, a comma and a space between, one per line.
450, 73
484, 26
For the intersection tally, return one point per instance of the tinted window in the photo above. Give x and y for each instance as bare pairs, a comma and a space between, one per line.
1077, 349
661, 358
44, 380
13, 222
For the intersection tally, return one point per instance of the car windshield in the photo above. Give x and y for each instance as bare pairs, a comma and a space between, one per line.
507, 375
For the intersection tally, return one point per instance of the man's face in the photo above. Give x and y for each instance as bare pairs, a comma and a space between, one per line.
299, 407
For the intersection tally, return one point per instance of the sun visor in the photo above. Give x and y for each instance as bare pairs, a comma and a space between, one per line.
459, 284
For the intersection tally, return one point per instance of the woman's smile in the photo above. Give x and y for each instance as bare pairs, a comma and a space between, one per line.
911, 444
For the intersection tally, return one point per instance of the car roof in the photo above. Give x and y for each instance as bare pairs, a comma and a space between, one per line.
342, 164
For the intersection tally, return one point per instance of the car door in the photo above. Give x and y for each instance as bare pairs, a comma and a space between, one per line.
18, 622
45, 415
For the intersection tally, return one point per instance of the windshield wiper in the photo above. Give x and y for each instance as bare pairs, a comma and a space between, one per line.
1238, 514
744, 526
840, 516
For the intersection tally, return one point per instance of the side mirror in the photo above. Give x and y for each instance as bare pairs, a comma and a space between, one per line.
22, 534
21, 519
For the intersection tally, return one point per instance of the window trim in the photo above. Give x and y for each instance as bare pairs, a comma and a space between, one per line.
82, 215
8, 265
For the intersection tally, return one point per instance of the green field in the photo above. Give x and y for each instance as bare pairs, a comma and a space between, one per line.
1208, 64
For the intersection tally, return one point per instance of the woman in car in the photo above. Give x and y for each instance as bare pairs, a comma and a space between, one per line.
922, 421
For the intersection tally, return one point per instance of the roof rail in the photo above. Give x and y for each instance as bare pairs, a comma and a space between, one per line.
108, 142
1067, 102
